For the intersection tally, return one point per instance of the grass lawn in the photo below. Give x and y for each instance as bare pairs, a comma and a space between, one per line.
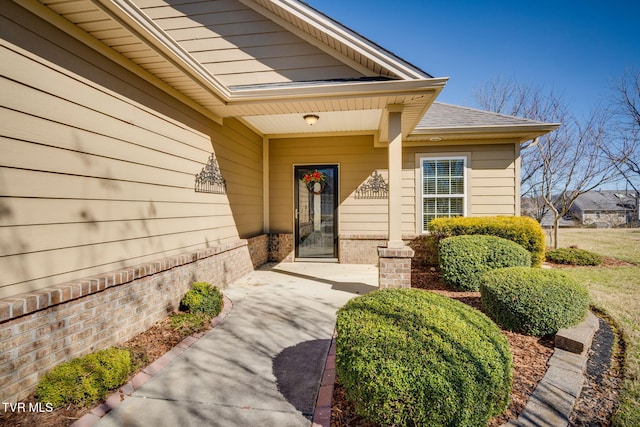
616, 290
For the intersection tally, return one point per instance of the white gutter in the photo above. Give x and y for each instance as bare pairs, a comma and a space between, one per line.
533, 143
485, 129
332, 90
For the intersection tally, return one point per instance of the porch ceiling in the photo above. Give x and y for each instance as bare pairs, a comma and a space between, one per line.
330, 122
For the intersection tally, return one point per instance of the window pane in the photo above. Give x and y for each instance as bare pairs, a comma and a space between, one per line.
443, 186
457, 206
430, 206
457, 186
442, 208
429, 168
429, 186
457, 168
443, 168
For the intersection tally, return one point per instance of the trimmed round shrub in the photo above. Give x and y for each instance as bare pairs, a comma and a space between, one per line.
409, 358
85, 379
523, 230
533, 301
202, 298
464, 259
573, 256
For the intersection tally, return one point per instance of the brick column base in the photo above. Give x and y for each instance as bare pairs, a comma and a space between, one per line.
394, 267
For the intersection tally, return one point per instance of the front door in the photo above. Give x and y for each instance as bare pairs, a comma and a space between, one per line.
316, 211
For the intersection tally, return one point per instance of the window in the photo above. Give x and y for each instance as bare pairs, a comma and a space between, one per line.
443, 188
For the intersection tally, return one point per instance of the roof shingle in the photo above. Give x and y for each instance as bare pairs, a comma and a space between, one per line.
446, 116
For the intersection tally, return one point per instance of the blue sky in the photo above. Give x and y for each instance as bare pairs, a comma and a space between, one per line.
576, 48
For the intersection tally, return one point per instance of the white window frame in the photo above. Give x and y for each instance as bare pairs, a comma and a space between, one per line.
420, 184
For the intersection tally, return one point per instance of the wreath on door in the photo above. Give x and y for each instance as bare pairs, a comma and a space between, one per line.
315, 181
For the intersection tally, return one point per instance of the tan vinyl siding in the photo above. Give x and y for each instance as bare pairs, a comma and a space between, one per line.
491, 180
97, 167
240, 46
357, 159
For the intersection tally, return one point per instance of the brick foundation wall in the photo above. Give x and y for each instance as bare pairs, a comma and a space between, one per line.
360, 248
42, 329
363, 249
281, 247
259, 250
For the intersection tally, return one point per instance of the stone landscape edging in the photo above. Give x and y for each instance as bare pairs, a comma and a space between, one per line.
554, 397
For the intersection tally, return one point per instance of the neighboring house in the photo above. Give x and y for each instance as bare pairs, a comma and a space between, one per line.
606, 208
148, 143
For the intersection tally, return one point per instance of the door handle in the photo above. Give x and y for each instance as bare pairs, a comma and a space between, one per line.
295, 214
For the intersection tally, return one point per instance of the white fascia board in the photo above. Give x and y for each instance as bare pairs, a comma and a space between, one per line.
542, 127
349, 38
331, 90
519, 132
129, 15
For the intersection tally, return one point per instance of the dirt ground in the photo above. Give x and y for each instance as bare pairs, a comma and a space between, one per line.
147, 347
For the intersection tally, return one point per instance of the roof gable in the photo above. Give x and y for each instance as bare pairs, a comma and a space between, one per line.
340, 38
240, 46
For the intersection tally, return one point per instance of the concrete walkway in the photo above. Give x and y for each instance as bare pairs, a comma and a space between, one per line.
263, 364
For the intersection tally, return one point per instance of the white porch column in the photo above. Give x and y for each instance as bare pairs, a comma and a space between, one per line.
395, 176
394, 261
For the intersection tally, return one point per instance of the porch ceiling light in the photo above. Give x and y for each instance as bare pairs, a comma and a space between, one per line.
311, 119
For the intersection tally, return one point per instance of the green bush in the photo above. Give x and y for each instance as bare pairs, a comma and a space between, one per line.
464, 259
202, 298
408, 358
533, 301
573, 256
86, 379
189, 323
523, 230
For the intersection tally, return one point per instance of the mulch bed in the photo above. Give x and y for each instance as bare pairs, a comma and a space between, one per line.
530, 357
147, 347
606, 262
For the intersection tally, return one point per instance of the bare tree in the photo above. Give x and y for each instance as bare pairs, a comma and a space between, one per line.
503, 95
624, 152
573, 163
563, 164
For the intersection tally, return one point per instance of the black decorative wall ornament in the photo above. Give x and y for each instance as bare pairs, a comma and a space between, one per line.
210, 180
374, 188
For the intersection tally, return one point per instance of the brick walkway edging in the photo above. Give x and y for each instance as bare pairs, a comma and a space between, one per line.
322, 413
116, 398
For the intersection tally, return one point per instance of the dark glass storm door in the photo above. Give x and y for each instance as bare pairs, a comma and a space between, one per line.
316, 211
